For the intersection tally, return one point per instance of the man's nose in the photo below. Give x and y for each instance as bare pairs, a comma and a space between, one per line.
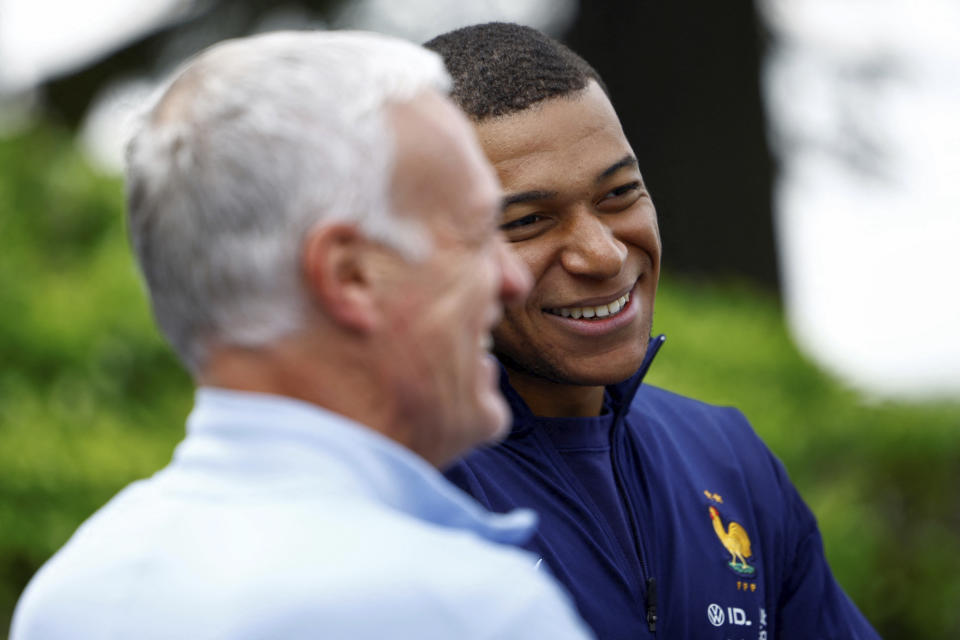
515, 278
591, 248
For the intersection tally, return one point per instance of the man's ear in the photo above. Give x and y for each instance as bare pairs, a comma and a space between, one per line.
336, 267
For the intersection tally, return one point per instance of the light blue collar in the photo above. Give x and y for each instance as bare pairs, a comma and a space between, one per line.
280, 437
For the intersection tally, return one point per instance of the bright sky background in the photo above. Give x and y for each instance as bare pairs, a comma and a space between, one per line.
863, 98
42, 38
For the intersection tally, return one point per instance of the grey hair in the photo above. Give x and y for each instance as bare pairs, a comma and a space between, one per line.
251, 145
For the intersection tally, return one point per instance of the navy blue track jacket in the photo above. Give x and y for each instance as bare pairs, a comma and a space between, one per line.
666, 517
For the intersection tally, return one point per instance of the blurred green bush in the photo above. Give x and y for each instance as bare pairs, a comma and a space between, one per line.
91, 399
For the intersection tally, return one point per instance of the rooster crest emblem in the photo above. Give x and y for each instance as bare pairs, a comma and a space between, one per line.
736, 541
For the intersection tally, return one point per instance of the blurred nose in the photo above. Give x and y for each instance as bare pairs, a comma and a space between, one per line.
592, 250
515, 278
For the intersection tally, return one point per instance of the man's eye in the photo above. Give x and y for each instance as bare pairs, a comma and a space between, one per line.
526, 227
623, 190
521, 222
621, 198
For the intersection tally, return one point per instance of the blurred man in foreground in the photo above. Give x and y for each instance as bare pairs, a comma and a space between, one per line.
662, 515
317, 228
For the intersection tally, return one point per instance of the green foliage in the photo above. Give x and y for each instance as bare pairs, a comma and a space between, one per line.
91, 399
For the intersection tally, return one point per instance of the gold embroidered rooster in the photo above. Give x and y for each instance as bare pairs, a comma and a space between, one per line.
736, 541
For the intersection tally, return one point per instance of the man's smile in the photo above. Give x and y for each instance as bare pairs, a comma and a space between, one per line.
597, 317
595, 311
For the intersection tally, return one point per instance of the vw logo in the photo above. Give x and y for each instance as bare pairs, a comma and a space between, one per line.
715, 615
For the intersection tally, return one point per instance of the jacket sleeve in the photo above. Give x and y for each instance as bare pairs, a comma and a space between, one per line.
812, 606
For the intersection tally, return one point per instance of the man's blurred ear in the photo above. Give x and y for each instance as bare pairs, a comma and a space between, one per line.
338, 268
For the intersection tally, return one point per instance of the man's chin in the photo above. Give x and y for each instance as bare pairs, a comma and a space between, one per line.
597, 372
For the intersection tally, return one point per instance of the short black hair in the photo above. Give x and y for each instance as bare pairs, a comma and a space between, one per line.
500, 68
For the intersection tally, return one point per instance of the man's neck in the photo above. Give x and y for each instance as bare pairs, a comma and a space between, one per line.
295, 367
555, 400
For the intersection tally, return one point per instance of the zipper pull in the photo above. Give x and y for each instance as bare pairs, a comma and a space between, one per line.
652, 604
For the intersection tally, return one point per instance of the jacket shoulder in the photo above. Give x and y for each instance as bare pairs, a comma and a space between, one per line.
663, 411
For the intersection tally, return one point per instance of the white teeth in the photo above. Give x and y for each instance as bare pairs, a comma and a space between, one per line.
599, 311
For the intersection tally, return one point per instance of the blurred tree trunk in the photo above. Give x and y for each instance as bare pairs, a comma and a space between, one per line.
685, 79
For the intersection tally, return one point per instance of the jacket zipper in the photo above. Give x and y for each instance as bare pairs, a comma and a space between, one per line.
652, 604
650, 597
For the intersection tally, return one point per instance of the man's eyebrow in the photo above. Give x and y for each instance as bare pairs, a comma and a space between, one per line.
628, 160
527, 196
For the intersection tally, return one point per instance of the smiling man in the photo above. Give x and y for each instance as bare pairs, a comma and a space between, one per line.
662, 515
317, 229
578, 214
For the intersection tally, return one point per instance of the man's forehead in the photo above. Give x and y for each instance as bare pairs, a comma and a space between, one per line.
576, 133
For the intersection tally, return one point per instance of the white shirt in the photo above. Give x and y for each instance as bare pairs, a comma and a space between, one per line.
278, 519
